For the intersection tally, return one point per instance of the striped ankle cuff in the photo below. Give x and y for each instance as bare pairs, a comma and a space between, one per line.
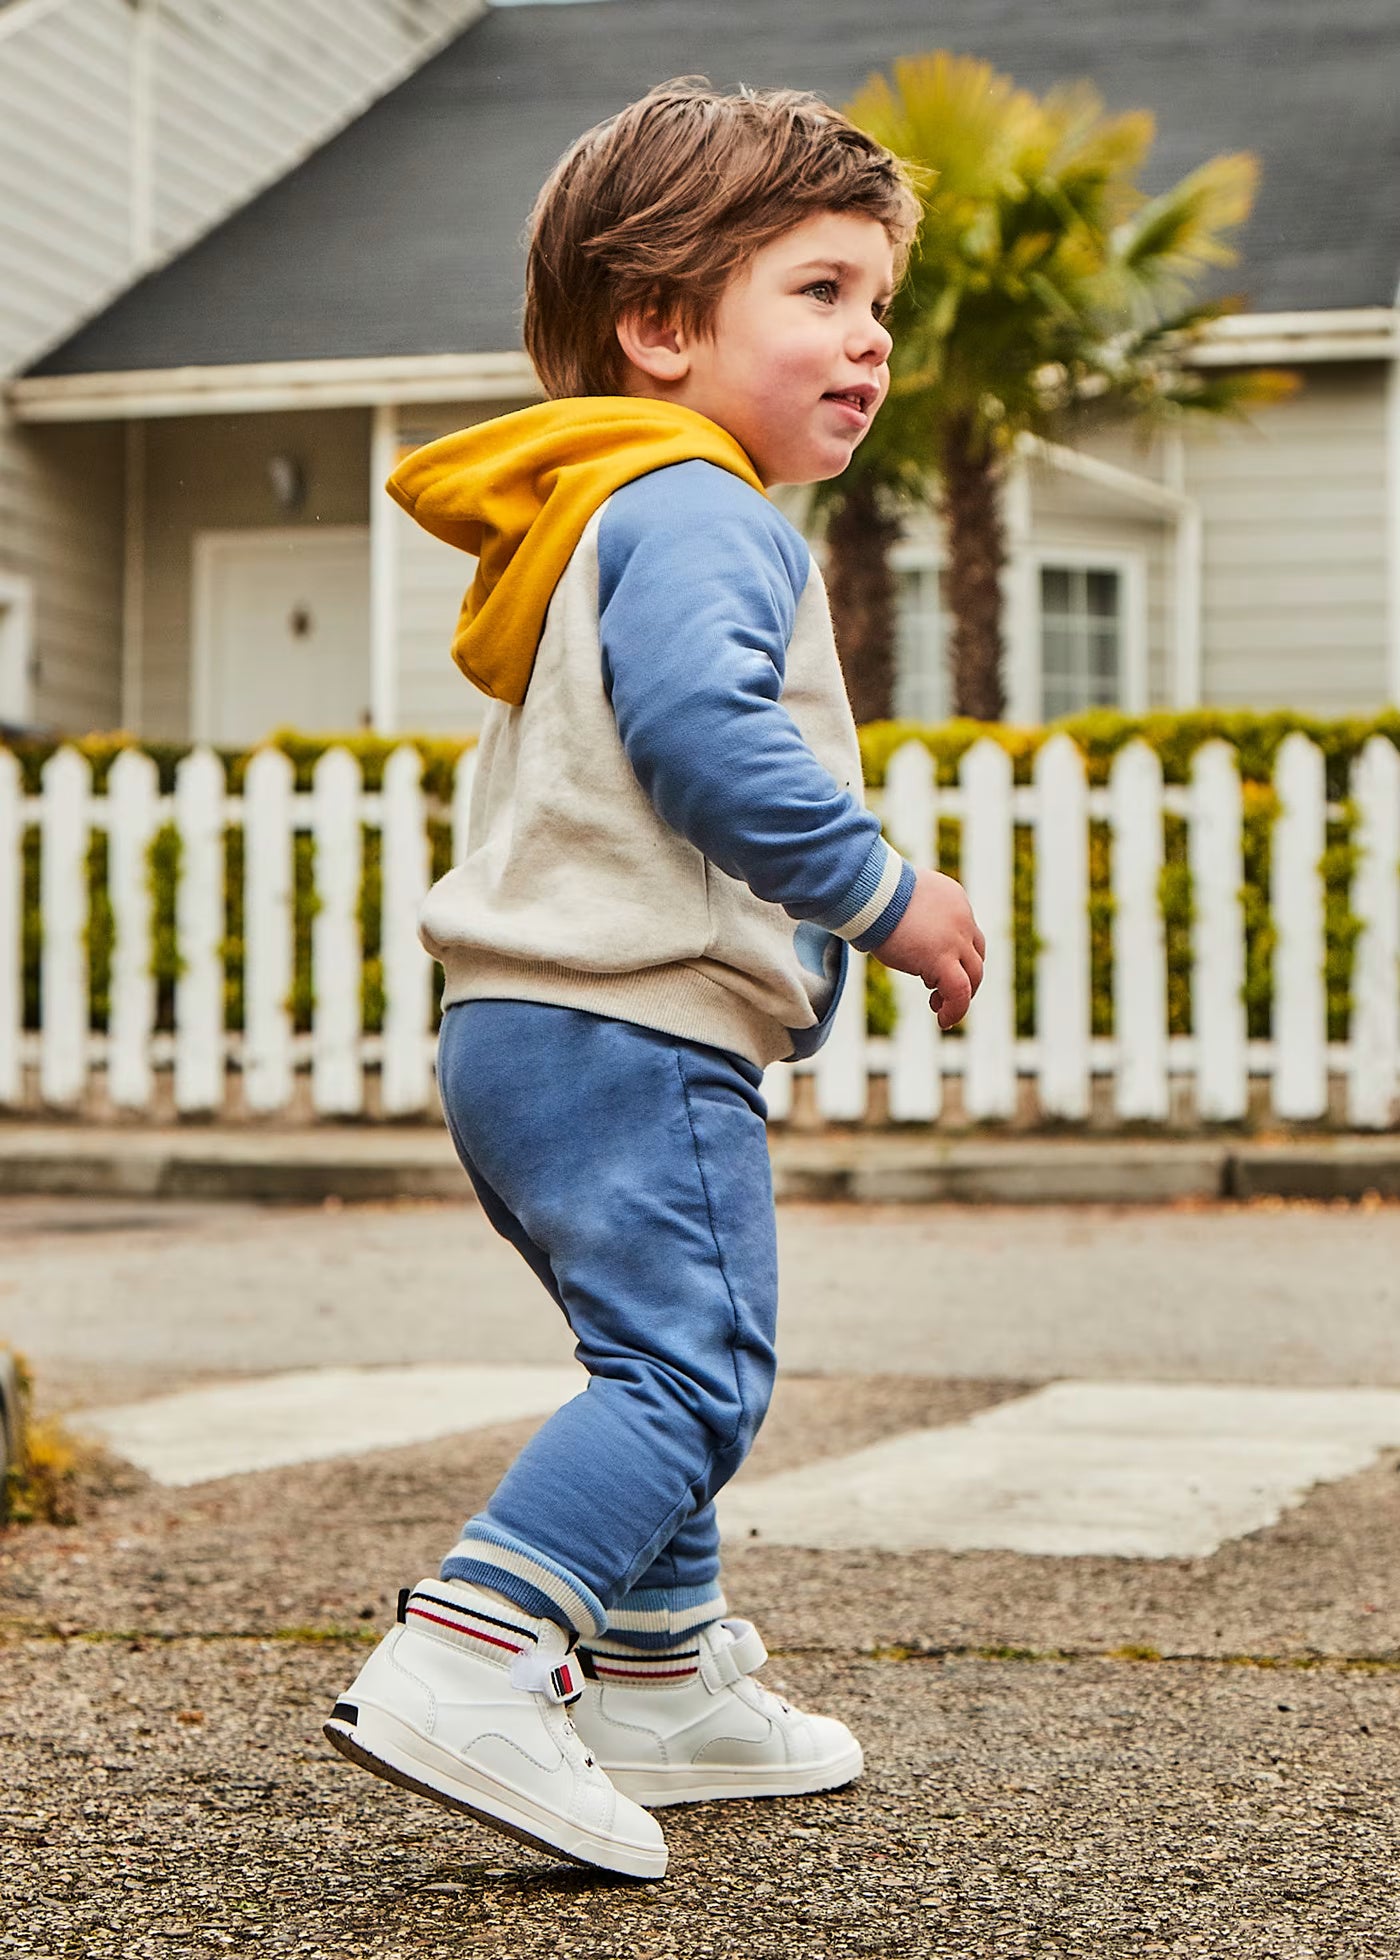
449, 1613
658, 1619
613, 1664
487, 1556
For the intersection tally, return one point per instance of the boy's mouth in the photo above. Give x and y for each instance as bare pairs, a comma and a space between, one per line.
860, 398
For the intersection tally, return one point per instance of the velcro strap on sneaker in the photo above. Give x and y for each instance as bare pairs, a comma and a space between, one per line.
745, 1653
561, 1681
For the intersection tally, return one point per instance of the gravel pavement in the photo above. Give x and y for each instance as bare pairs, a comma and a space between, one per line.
1068, 1758
178, 1799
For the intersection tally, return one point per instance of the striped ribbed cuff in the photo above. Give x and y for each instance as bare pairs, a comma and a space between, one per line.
875, 935
663, 1618
487, 1556
881, 893
615, 1664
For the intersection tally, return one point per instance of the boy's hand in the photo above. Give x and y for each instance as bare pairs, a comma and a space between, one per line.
938, 939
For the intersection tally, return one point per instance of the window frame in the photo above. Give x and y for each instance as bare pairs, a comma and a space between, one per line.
1130, 568
1130, 565
917, 554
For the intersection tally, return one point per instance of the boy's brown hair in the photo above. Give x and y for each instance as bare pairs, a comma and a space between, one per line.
661, 205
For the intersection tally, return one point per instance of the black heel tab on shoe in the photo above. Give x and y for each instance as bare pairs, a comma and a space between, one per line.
401, 1614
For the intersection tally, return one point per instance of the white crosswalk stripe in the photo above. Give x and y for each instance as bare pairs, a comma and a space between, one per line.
1126, 1469
1137, 1470
315, 1413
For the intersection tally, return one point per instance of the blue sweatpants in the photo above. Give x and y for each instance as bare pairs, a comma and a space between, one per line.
630, 1169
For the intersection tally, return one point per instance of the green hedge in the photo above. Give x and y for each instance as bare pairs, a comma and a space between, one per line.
1175, 737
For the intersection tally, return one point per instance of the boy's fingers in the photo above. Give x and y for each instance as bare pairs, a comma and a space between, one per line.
972, 967
979, 942
951, 994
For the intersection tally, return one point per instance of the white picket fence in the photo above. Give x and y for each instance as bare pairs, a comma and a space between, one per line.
63, 1058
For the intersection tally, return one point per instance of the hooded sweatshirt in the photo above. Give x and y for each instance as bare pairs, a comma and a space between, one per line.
666, 823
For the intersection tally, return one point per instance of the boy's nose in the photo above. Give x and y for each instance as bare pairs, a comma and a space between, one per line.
871, 341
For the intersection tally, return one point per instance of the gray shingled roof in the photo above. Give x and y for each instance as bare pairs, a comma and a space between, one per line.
401, 235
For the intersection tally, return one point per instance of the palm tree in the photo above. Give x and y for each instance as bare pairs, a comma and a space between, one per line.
1046, 291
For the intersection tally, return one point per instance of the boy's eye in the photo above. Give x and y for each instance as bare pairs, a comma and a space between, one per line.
822, 288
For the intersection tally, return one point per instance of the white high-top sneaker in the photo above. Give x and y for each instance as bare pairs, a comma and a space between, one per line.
466, 1702
691, 1724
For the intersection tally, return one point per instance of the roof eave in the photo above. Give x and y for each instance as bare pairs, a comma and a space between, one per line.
1343, 333
262, 386
1359, 333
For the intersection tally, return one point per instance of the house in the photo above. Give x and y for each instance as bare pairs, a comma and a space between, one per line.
195, 514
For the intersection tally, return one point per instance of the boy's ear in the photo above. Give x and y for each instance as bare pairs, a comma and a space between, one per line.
654, 345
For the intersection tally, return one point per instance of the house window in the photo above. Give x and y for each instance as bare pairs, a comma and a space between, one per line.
1082, 620
921, 663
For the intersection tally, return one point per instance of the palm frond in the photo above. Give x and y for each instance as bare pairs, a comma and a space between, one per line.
1045, 283
1180, 234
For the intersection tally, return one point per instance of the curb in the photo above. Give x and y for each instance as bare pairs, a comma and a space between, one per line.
366, 1166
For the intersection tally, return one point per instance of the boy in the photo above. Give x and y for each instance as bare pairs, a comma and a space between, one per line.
668, 858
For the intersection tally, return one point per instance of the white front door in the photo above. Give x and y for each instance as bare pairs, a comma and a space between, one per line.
281, 633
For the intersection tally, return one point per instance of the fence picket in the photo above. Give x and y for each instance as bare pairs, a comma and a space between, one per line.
1062, 930
268, 927
1215, 855
11, 930
408, 991
199, 929
133, 800
777, 1091
987, 1055
1375, 1014
1139, 937
989, 1079
843, 1079
1300, 1001
63, 901
337, 1078
911, 813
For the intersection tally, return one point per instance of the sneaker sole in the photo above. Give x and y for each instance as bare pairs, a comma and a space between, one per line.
379, 1743
712, 1783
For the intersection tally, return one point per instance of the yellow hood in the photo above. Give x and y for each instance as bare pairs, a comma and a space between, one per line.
533, 479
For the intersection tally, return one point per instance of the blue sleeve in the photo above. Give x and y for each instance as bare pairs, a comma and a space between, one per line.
699, 579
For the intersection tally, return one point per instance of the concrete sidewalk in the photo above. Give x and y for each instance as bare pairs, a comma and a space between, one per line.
364, 1163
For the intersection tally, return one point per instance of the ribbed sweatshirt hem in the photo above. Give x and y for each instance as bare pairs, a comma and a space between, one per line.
677, 999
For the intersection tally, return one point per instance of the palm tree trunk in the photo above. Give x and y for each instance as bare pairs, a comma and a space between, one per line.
976, 538
860, 535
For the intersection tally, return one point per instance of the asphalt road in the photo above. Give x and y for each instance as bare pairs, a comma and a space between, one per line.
114, 1301
1068, 1758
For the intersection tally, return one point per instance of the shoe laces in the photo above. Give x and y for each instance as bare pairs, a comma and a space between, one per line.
589, 1759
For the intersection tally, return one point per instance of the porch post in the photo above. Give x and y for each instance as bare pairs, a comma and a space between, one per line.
1019, 600
1187, 549
1392, 523
383, 573
132, 708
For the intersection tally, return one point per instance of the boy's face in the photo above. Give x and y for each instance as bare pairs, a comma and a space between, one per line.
796, 363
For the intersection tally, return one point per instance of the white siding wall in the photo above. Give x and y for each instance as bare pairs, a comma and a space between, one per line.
237, 95
61, 526
65, 170
1295, 549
